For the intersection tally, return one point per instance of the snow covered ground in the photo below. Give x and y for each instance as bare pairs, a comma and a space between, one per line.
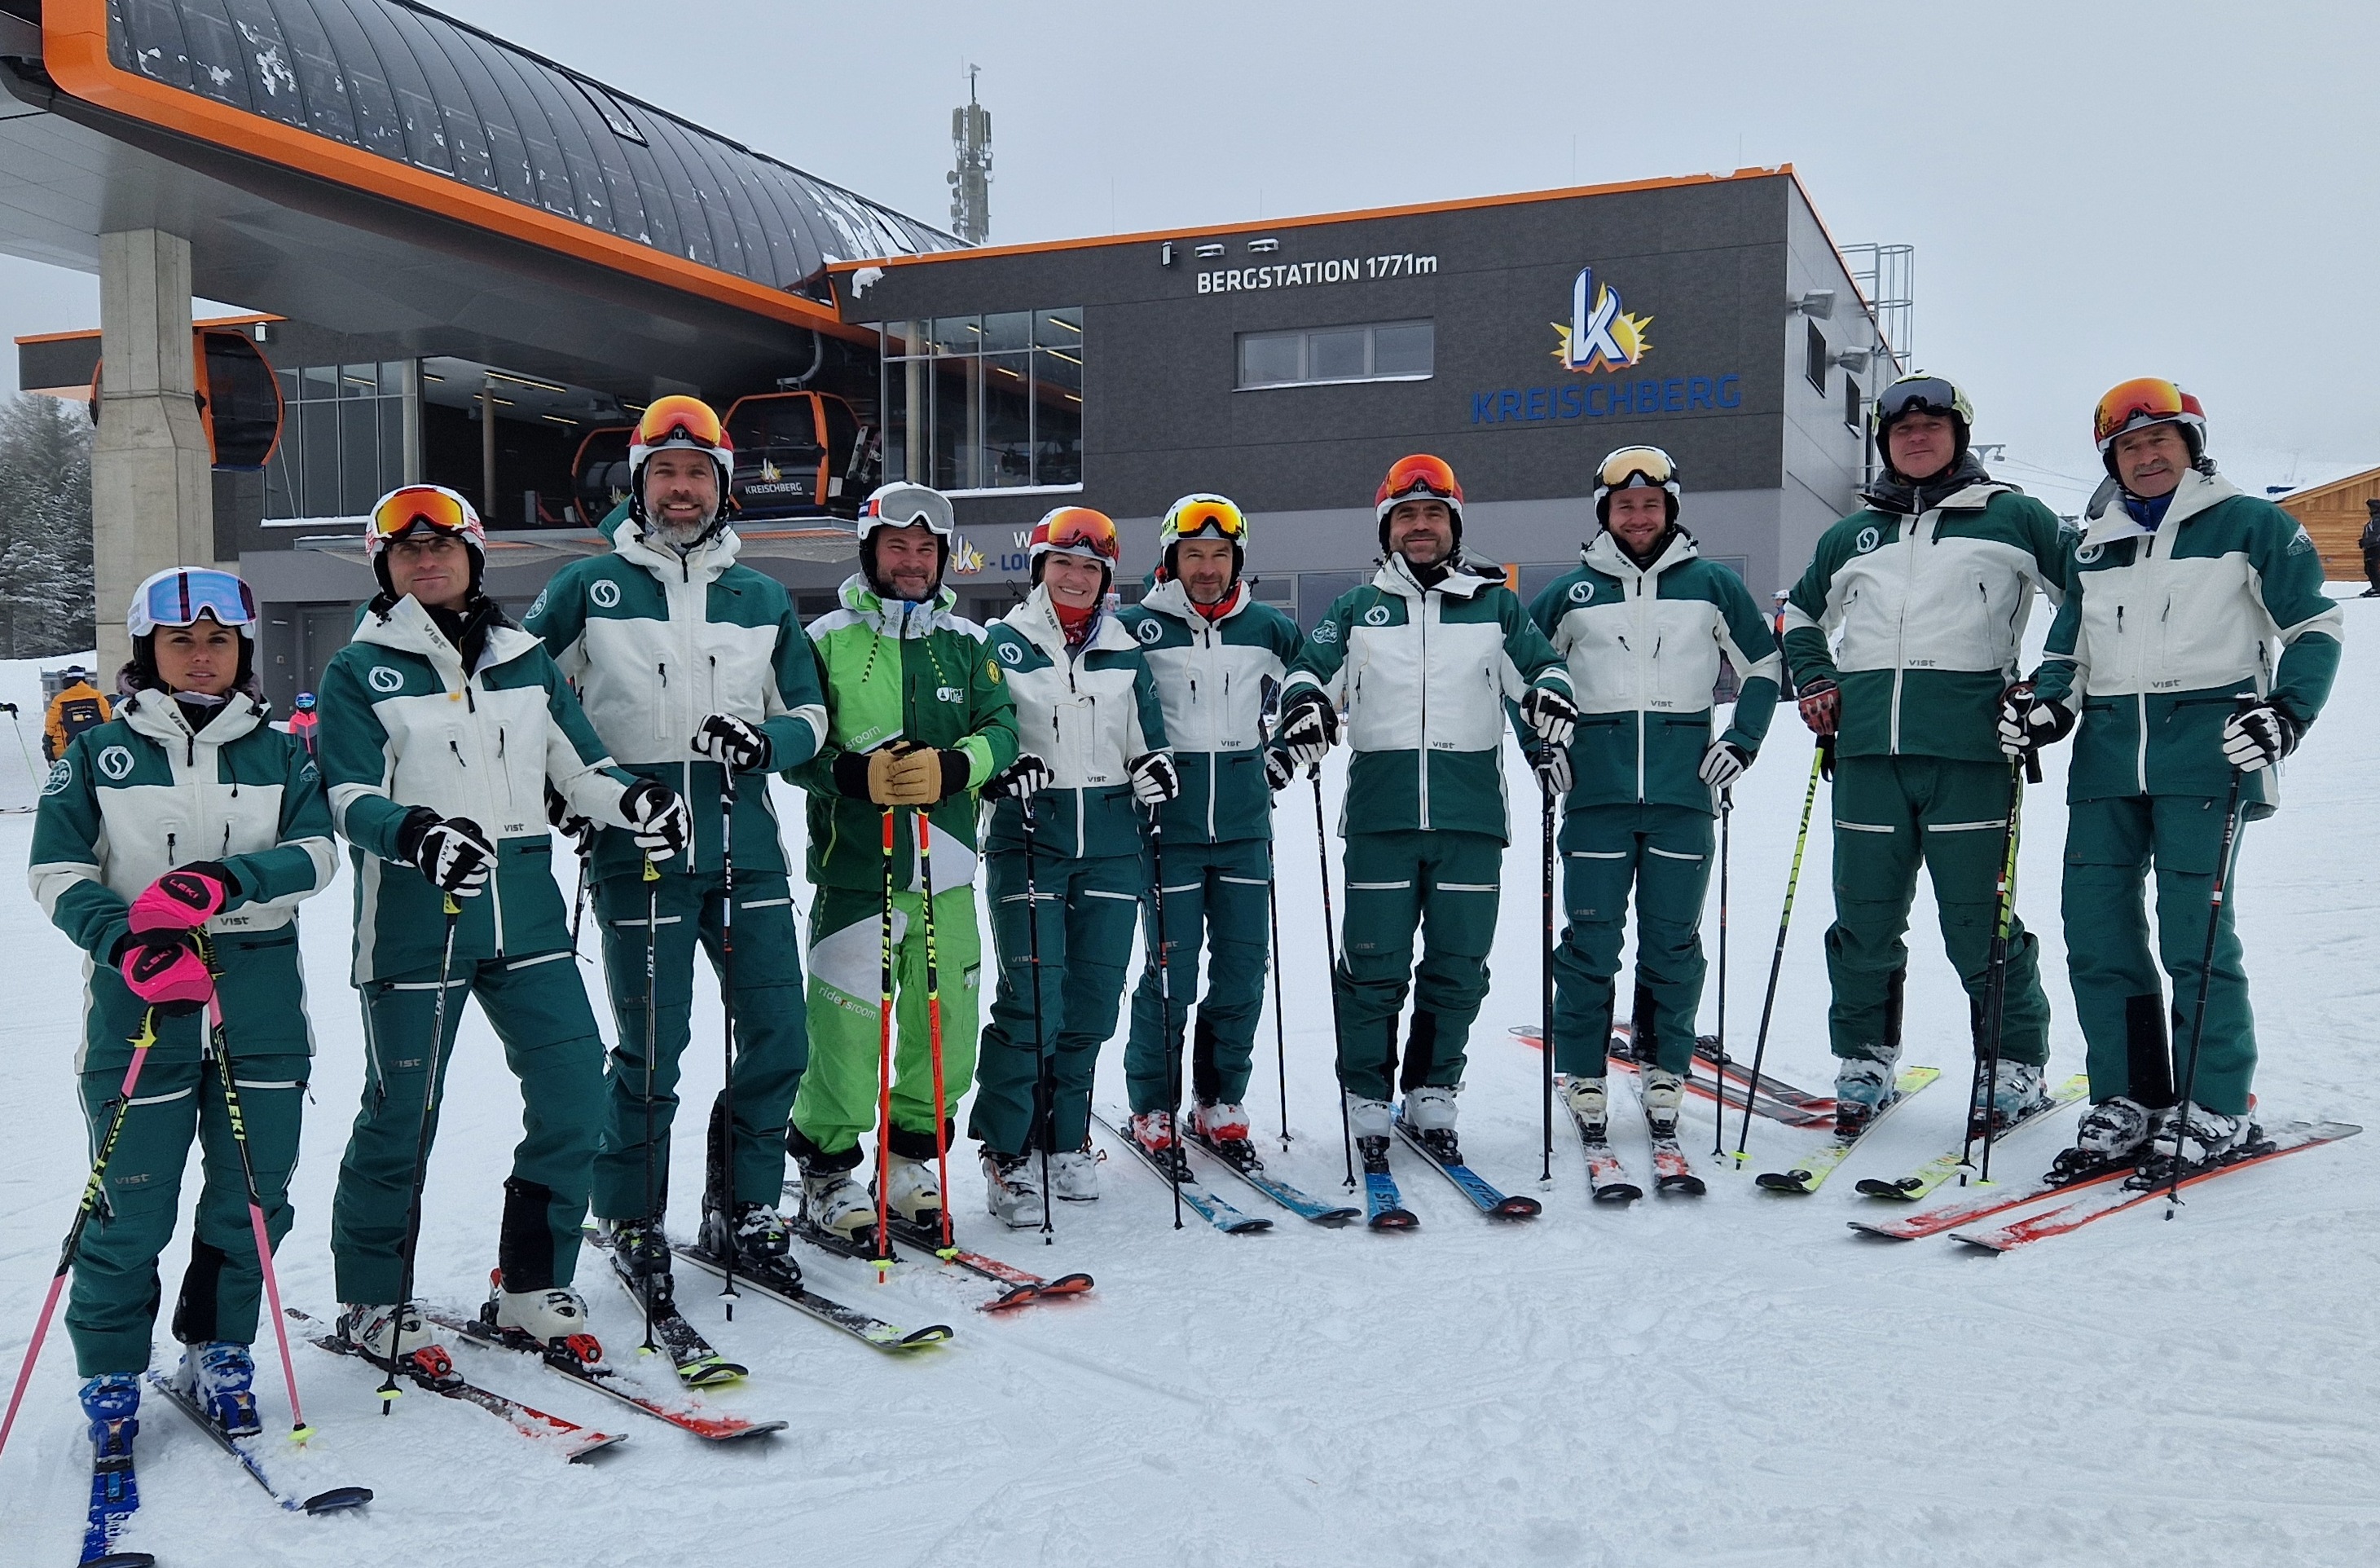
1736, 1379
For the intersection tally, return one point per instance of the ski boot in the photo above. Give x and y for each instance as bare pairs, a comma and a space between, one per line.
1590, 1103
2111, 1134
1862, 1088
913, 1189
2188, 1140
1153, 1132
2015, 1093
555, 1316
375, 1332
1224, 1129
1665, 1096
1074, 1175
1374, 1154
640, 1248
836, 1204
111, 1403
1429, 1114
1012, 1188
218, 1377
759, 1234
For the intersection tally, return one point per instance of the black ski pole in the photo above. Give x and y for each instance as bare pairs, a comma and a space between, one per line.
1546, 961
1331, 946
1994, 1011
1818, 764
1718, 1068
2207, 971
388, 1390
1045, 1086
726, 1154
652, 1048
1164, 956
1279, 1034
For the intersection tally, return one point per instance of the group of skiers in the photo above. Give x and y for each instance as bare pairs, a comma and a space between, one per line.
1111, 768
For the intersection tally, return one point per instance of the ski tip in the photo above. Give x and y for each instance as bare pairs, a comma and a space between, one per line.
1393, 1220
1617, 1193
1517, 1207
337, 1499
593, 1443
1684, 1186
1794, 1182
932, 1334
1246, 1227
121, 1559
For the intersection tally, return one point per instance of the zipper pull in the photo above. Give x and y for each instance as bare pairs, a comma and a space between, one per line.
169, 849
458, 750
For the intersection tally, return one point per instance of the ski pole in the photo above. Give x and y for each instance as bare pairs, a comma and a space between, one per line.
652, 1048
1819, 761
725, 1113
1280, 1035
17, 725
1044, 1086
578, 903
220, 1043
1546, 960
884, 1069
925, 830
1993, 1014
2206, 969
83, 1211
1718, 1068
388, 1390
1164, 956
1331, 946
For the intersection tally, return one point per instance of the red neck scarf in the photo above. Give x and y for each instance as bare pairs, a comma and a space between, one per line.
1075, 624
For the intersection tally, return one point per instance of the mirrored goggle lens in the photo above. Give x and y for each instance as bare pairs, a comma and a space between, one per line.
179, 599
400, 510
687, 419
1930, 396
2147, 397
1631, 464
1209, 517
1083, 528
1421, 473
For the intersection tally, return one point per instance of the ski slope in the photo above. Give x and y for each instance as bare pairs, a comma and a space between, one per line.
1735, 1379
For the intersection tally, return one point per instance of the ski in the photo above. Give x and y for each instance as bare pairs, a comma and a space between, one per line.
1469, 1183
2115, 1197
115, 1498
1672, 1172
1606, 1175
1022, 1286
697, 1365
1384, 1206
1303, 1205
1942, 1167
1982, 1201
1776, 1100
431, 1369
566, 1360
244, 1450
789, 1290
1812, 1170
1212, 1210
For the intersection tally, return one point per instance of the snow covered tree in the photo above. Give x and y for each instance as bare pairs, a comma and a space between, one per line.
45, 564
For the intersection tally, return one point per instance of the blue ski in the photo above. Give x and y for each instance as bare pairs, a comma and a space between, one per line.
115, 1498
1212, 1210
244, 1451
1384, 1206
1305, 1206
1469, 1183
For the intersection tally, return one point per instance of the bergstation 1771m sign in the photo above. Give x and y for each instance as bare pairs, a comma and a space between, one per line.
1603, 338
1302, 274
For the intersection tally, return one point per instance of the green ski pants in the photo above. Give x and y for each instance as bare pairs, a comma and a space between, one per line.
537, 1007
1217, 891
1083, 912
2111, 845
771, 1041
838, 1099
1665, 852
1444, 885
112, 1308
1891, 813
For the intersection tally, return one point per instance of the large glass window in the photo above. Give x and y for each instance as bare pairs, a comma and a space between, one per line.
342, 440
990, 402
1318, 356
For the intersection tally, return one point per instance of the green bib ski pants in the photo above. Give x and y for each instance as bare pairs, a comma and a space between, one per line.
1890, 814
838, 1100
1214, 892
772, 1041
537, 1007
112, 1308
2111, 846
1443, 884
1665, 852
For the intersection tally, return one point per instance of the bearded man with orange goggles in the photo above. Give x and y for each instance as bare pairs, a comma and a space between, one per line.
2177, 594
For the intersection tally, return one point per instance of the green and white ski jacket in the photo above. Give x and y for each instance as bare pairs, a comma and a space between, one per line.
1211, 676
403, 725
1932, 611
136, 797
1087, 713
1643, 646
2162, 629
656, 642
1423, 675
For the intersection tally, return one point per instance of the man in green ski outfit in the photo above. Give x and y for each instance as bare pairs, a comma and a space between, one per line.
918, 718
694, 670
2177, 700
1644, 622
1216, 654
442, 727
1930, 587
1424, 657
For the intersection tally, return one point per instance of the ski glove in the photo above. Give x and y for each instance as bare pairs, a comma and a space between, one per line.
726, 738
452, 852
1723, 763
1552, 766
1309, 726
1155, 780
183, 899
1550, 714
658, 817
1822, 706
578, 830
912, 775
2259, 737
164, 970
1027, 775
1278, 769
2029, 722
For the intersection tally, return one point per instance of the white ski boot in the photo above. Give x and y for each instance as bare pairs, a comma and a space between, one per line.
913, 1189
1862, 1088
2112, 1133
375, 1330
1074, 1175
217, 1377
1590, 1102
1665, 1097
836, 1204
1012, 1189
1370, 1118
1430, 1113
555, 1316
2194, 1138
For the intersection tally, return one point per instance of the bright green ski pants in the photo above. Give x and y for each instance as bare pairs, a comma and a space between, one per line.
1665, 853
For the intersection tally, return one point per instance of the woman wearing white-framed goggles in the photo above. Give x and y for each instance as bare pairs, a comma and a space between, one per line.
179, 595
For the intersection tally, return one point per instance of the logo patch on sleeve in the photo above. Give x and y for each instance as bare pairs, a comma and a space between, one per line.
61, 775
381, 678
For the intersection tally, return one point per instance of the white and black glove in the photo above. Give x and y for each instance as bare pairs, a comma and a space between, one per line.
1551, 714
1155, 780
1027, 775
1723, 763
727, 740
2258, 737
2029, 721
1278, 769
1309, 726
578, 830
1552, 764
659, 819
452, 851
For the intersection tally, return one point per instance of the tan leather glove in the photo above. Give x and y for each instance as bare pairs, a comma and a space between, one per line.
883, 769
914, 778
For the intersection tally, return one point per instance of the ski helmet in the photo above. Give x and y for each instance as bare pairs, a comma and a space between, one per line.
899, 506
1422, 477
177, 596
1203, 516
430, 508
2145, 400
686, 424
1631, 466
1920, 393
1076, 530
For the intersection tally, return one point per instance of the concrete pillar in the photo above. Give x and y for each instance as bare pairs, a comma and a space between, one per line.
152, 490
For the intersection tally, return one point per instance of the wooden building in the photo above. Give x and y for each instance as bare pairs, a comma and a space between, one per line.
2335, 515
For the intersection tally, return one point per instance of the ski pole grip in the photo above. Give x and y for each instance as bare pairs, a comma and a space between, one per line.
2032, 766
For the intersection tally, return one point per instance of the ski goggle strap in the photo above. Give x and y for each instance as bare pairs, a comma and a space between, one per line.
1079, 530
178, 598
678, 420
2144, 400
1919, 395
1207, 514
1419, 474
1637, 464
904, 506
432, 506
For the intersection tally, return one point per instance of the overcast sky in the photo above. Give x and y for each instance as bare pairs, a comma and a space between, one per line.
2095, 192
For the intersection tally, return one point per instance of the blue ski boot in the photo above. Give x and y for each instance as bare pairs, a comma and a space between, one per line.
216, 1377
111, 1402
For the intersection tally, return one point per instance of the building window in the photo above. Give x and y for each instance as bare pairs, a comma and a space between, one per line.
985, 403
1853, 405
1321, 355
342, 440
1816, 367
